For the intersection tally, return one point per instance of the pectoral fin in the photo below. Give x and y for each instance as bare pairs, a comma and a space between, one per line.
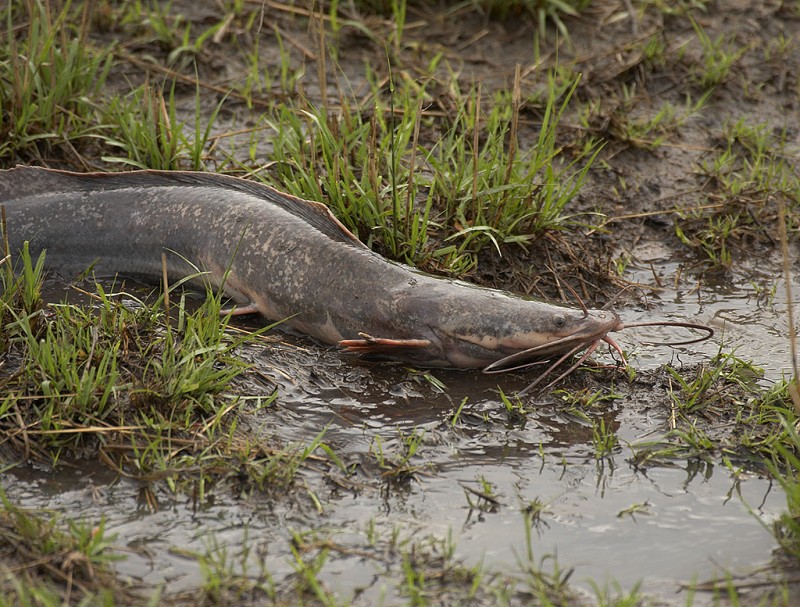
381, 345
242, 310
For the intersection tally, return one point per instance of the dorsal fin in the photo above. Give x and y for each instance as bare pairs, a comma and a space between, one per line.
30, 181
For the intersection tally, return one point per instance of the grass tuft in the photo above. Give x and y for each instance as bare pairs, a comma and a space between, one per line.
148, 394
77, 556
48, 81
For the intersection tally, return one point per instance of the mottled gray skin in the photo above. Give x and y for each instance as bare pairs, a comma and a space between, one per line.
288, 257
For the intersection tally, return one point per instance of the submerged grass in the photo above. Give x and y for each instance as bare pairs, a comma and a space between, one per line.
54, 563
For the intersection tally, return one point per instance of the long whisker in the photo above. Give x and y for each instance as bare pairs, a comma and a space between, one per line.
550, 369
592, 347
577, 298
686, 325
562, 349
616, 347
498, 366
590, 350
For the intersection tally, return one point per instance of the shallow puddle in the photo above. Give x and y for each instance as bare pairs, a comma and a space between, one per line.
692, 524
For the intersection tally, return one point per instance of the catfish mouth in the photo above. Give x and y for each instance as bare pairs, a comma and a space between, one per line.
588, 337
586, 340
542, 354
519, 350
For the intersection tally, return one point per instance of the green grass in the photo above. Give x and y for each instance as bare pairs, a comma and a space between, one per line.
785, 467
749, 169
142, 130
396, 465
47, 552
49, 74
373, 173
147, 392
504, 194
627, 124
717, 58
544, 12
477, 188
726, 393
410, 566
350, 163
605, 440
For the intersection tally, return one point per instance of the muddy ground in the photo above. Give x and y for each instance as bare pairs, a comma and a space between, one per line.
442, 478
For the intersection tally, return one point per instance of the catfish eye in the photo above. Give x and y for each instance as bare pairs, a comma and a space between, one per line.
560, 321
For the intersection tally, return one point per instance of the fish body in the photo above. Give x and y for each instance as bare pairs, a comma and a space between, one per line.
285, 257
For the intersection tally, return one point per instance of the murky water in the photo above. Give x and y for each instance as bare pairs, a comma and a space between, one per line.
664, 526
693, 524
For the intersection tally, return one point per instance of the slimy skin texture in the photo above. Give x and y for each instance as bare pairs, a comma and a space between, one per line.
286, 257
